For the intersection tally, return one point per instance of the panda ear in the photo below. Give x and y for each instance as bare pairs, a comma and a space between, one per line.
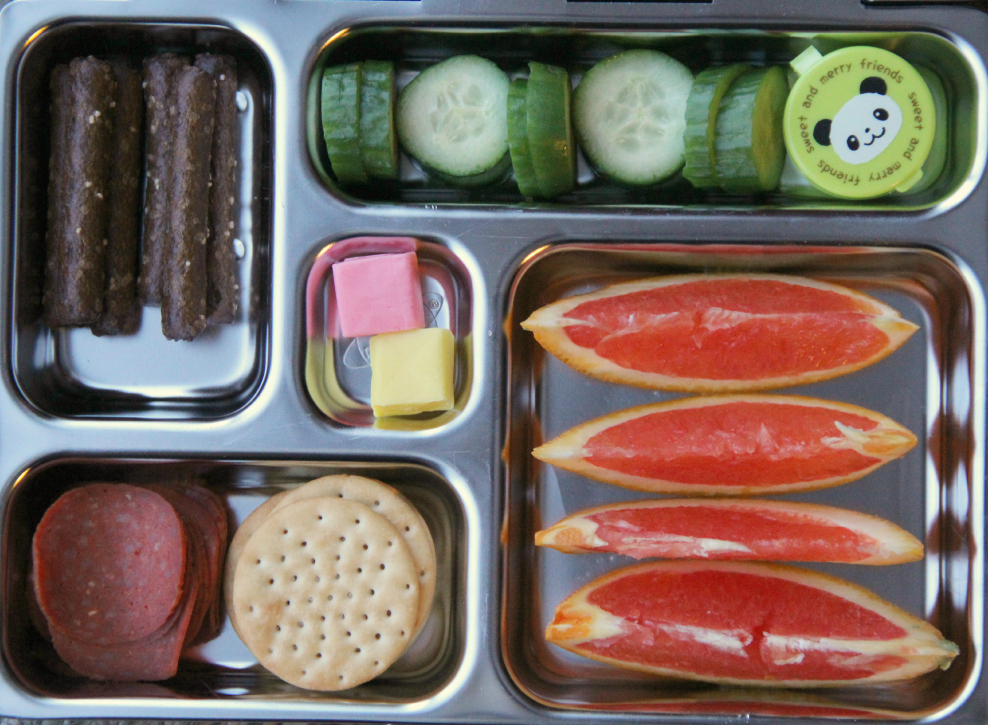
873, 84
821, 132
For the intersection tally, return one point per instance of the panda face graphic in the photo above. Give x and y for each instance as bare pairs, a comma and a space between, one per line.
864, 127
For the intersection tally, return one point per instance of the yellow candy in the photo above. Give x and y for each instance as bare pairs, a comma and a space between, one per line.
412, 372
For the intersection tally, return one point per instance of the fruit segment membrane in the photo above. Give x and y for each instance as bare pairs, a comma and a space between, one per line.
710, 333
745, 623
737, 444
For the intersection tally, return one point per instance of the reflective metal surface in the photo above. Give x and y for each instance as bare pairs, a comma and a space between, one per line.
241, 415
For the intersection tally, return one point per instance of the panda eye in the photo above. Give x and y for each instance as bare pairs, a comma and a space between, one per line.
881, 114
852, 143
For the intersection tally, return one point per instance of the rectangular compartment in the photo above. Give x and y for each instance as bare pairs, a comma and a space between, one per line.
578, 48
337, 369
70, 371
931, 386
224, 669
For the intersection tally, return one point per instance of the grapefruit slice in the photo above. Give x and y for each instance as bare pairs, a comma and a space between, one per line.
745, 623
733, 529
730, 445
719, 333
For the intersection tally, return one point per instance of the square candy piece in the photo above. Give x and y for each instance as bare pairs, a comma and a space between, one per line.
378, 293
412, 372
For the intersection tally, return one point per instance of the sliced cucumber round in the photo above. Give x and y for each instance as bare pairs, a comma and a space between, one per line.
378, 141
750, 150
521, 159
630, 113
340, 105
550, 129
452, 116
702, 109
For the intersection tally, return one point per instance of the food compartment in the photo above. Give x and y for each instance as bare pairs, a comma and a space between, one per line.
933, 491
338, 368
69, 371
953, 74
223, 669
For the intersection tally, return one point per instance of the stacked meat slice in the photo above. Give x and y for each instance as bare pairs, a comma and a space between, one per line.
125, 577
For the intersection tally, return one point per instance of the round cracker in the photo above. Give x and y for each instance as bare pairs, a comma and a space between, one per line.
236, 547
382, 499
326, 594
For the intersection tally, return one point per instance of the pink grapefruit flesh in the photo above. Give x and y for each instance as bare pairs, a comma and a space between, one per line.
731, 445
745, 623
733, 529
719, 333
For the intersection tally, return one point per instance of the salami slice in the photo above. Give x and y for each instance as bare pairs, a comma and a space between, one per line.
109, 563
215, 538
154, 657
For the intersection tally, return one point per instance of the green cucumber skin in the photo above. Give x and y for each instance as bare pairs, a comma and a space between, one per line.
341, 122
550, 129
378, 141
751, 118
702, 109
521, 159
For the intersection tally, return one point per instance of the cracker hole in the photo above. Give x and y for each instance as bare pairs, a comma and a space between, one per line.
366, 617
270, 651
407, 528
341, 677
342, 538
251, 609
372, 592
389, 612
303, 672
294, 577
366, 547
376, 662
377, 503
295, 647
421, 573
322, 636
304, 543
259, 561
284, 532
342, 615
270, 581
360, 570
278, 627
313, 561
288, 602
282, 558
337, 576
320, 517
322, 618
310, 600
347, 634
318, 655
341, 495
337, 557
356, 649
408, 586
329, 598
356, 521
301, 624
390, 543
402, 633
377, 636
382, 567
349, 595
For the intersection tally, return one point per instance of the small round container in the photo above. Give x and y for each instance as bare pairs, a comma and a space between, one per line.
859, 122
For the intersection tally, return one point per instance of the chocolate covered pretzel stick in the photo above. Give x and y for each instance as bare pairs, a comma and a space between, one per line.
79, 170
223, 288
183, 305
159, 85
121, 309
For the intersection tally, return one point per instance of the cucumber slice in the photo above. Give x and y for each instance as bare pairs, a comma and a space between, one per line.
750, 150
341, 122
521, 159
550, 129
702, 109
378, 142
452, 116
630, 113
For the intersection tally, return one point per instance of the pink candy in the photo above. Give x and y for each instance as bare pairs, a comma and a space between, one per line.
377, 294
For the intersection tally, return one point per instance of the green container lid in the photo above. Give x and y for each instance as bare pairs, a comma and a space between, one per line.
859, 122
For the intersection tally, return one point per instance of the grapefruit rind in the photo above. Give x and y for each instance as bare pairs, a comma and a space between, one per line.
548, 325
924, 649
886, 442
577, 534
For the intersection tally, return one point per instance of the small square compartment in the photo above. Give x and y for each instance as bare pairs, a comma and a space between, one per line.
70, 372
934, 491
223, 670
337, 369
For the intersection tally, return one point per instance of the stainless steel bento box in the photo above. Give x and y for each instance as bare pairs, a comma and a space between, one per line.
240, 409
